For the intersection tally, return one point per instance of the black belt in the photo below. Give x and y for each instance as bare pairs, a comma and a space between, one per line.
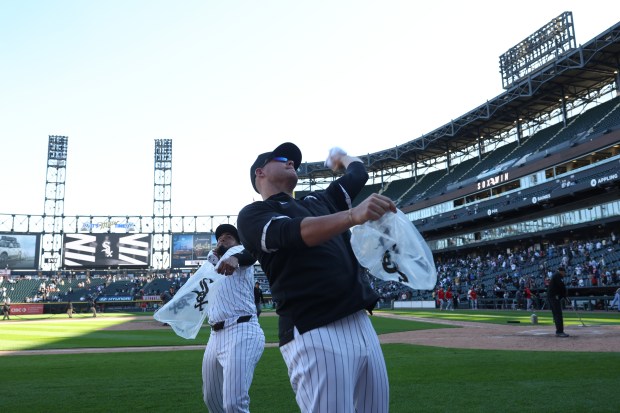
220, 325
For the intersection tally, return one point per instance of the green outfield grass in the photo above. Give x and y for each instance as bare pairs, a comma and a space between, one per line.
422, 379
63, 333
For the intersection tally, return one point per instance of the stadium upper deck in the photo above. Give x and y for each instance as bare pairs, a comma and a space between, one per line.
574, 79
541, 159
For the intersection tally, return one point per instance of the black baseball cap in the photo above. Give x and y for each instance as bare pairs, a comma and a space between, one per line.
227, 228
287, 150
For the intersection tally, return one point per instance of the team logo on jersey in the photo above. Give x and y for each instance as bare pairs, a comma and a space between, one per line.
201, 295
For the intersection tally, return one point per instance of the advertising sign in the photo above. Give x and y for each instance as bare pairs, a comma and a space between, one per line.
19, 251
106, 299
106, 250
191, 250
26, 309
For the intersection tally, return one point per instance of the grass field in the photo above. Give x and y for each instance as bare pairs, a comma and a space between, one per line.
422, 379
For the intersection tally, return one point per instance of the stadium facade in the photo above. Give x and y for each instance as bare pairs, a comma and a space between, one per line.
537, 164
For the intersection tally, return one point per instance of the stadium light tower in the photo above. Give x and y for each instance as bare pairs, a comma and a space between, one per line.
54, 202
162, 211
539, 49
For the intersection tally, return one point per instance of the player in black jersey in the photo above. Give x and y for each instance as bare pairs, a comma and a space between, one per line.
333, 355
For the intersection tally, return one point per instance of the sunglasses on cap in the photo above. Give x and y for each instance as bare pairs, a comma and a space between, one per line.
277, 159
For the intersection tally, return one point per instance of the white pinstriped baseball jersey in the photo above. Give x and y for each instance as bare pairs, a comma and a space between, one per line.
234, 295
333, 355
234, 349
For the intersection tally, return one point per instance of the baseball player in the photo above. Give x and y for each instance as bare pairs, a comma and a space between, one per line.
332, 352
237, 341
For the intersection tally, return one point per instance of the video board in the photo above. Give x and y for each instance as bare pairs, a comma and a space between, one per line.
106, 250
19, 251
191, 250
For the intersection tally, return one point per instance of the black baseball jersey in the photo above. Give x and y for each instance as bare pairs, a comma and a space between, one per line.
312, 286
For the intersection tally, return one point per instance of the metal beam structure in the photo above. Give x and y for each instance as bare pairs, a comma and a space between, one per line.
539, 49
54, 208
162, 204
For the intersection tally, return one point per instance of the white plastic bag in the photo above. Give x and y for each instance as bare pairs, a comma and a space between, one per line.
334, 153
187, 310
392, 249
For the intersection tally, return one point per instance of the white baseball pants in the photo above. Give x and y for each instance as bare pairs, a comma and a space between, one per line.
228, 366
338, 368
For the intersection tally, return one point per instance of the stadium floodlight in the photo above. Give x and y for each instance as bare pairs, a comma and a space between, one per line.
539, 49
57, 148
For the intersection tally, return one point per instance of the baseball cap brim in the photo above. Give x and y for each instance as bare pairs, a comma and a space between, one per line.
286, 150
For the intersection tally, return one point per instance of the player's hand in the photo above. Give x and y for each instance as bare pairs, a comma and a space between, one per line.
372, 208
228, 266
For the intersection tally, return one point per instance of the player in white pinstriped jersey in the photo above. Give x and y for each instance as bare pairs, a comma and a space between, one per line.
237, 341
332, 352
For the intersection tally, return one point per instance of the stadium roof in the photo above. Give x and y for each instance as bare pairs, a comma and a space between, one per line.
574, 75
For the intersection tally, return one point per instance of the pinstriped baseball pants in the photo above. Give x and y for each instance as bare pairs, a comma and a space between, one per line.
338, 368
228, 366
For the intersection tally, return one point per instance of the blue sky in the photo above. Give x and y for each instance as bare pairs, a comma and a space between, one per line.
226, 80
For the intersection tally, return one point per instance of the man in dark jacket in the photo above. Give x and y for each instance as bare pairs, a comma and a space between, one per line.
258, 298
556, 292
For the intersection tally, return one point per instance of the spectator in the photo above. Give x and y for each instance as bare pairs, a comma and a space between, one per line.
473, 298
441, 298
449, 298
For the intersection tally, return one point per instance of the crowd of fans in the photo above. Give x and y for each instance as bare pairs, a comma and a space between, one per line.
66, 286
510, 279
516, 279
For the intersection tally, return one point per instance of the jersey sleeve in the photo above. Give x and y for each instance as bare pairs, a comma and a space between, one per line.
343, 190
264, 229
245, 258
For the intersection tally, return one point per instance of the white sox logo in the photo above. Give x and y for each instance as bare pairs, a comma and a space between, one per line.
201, 295
391, 267
179, 305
